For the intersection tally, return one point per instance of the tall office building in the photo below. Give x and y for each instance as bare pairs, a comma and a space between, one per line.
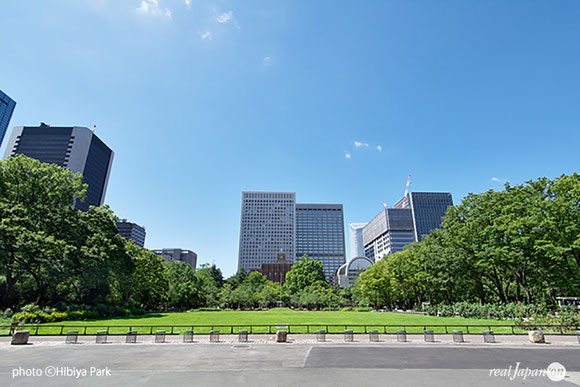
7, 105
357, 247
132, 231
178, 255
428, 209
75, 148
320, 235
267, 229
388, 232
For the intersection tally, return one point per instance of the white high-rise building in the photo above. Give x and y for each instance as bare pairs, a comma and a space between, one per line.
357, 246
267, 228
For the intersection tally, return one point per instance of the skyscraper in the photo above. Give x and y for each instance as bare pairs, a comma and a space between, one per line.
267, 228
274, 228
428, 209
132, 231
75, 148
7, 105
357, 247
388, 232
320, 235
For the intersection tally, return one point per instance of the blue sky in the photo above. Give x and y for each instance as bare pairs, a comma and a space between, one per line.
201, 100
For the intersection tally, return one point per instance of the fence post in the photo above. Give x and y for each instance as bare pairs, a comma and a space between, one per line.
467, 329
61, 328
513, 333
446, 330
85, 331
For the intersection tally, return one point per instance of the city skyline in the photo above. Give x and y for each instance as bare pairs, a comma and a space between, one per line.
217, 99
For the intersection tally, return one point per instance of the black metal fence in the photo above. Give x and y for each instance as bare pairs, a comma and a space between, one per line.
58, 330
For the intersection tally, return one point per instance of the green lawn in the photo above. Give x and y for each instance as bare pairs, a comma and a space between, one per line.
281, 316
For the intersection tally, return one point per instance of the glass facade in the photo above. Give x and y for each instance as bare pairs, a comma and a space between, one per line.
95, 173
132, 231
7, 106
46, 144
428, 211
389, 232
320, 235
74, 148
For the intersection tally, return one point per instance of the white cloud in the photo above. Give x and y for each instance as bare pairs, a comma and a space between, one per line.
495, 179
152, 7
358, 144
188, 4
347, 155
379, 148
225, 17
206, 35
266, 61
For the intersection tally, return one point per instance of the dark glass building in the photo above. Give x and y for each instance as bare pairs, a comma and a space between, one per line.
132, 231
7, 106
75, 148
320, 235
388, 232
428, 209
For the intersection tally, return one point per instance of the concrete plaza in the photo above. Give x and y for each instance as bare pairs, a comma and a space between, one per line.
48, 361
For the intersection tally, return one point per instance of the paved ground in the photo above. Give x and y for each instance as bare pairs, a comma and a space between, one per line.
303, 362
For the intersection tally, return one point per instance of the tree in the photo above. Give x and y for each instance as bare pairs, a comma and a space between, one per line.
185, 289
375, 284
306, 272
35, 200
236, 279
55, 251
209, 276
149, 283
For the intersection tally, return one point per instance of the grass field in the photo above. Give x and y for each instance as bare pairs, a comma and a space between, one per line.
279, 316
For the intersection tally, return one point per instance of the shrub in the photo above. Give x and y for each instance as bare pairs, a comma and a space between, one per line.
495, 311
6, 314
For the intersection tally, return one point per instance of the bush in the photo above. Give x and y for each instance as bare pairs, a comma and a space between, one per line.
41, 318
33, 314
136, 312
6, 314
495, 311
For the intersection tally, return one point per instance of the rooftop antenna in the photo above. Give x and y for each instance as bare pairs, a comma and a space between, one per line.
406, 192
